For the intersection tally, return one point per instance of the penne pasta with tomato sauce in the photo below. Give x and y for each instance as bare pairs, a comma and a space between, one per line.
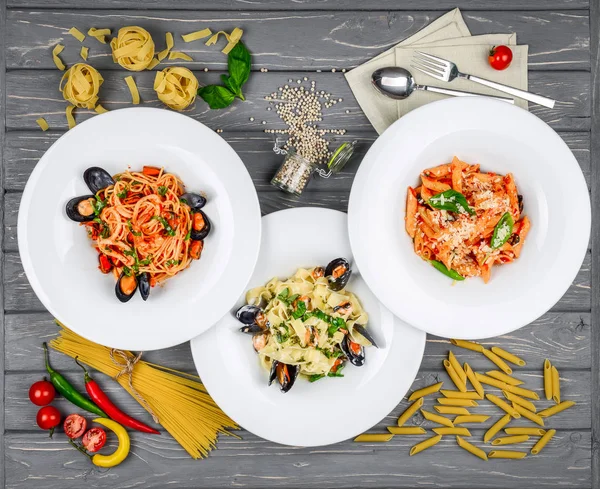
464, 221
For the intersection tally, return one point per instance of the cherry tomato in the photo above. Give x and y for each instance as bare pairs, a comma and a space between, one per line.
42, 393
105, 264
74, 426
94, 439
48, 418
151, 171
500, 57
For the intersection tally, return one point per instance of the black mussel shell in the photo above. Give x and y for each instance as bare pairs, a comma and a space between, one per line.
361, 330
356, 359
119, 293
73, 212
97, 178
247, 314
273, 372
195, 201
278, 371
334, 267
203, 233
520, 201
144, 285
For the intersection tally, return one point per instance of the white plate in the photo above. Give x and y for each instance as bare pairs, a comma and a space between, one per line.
332, 409
62, 265
503, 139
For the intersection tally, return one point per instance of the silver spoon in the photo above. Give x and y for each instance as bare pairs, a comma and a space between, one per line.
398, 83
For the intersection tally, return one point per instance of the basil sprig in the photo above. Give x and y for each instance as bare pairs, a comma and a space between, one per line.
239, 62
502, 231
452, 201
453, 274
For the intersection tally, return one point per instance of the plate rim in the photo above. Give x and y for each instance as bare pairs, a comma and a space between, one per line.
200, 343
143, 342
367, 164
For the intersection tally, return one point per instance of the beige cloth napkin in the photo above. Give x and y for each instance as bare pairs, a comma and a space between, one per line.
447, 37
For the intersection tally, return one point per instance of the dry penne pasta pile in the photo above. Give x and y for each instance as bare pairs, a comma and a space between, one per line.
133, 49
466, 394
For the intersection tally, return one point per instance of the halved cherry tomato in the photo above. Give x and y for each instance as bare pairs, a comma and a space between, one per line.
42, 393
94, 439
105, 264
500, 57
48, 418
151, 171
74, 426
196, 249
130, 237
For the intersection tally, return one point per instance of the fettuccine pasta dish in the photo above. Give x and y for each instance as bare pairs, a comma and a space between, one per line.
307, 324
465, 221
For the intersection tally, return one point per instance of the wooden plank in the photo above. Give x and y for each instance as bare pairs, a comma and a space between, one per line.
338, 39
562, 337
34, 93
595, 158
157, 462
24, 148
371, 5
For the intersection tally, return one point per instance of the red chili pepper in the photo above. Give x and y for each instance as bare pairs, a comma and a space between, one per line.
104, 403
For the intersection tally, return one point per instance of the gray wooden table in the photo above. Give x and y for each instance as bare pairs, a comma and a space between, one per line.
294, 40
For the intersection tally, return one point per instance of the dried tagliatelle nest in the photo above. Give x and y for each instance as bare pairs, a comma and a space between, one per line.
133, 48
176, 87
80, 85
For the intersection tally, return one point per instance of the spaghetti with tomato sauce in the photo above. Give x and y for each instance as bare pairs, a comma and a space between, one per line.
144, 226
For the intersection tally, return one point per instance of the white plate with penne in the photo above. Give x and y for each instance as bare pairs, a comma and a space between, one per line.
469, 218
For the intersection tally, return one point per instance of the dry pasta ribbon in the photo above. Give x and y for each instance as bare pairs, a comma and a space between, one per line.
424, 445
374, 438
551, 411
509, 357
77, 34
542, 442
57, 61
70, 118
80, 85
42, 123
194, 36
99, 34
133, 89
133, 48
176, 87
409, 411
232, 39
169, 41
406, 430
425, 391
478, 452
99, 109
83, 52
496, 427
180, 55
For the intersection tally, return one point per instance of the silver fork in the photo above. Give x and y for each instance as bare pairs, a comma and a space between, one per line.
447, 71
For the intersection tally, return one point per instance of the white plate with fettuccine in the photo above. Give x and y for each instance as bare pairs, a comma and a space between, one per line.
305, 375
145, 232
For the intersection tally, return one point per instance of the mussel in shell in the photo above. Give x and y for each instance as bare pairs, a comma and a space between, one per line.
354, 351
81, 209
200, 226
338, 273
253, 318
144, 285
195, 201
97, 178
285, 374
361, 330
125, 287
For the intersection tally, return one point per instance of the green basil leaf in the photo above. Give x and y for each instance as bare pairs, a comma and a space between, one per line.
300, 310
283, 295
231, 84
216, 96
453, 274
127, 271
315, 377
239, 63
162, 191
452, 201
502, 231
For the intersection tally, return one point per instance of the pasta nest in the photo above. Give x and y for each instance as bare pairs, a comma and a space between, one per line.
176, 87
80, 85
133, 48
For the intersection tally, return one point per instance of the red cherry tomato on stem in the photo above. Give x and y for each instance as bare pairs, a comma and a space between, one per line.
42, 393
94, 439
500, 57
48, 418
74, 426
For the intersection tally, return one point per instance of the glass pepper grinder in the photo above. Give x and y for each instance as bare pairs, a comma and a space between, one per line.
296, 171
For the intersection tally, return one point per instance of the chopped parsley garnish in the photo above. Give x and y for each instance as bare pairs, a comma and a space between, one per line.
130, 226
330, 353
315, 377
286, 298
300, 310
99, 205
124, 193
171, 263
127, 271
283, 333
334, 322
162, 191
145, 261
105, 232
170, 231
188, 235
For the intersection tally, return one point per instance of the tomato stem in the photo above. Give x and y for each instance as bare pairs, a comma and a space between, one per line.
81, 449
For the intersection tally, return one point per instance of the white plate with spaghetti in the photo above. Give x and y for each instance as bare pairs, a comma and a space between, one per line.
485, 192
350, 401
146, 235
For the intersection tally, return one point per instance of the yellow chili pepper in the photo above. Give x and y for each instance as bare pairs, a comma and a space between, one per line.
122, 450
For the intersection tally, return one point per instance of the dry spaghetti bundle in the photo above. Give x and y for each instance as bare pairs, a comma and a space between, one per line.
133, 48
176, 87
183, 406
80, 85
